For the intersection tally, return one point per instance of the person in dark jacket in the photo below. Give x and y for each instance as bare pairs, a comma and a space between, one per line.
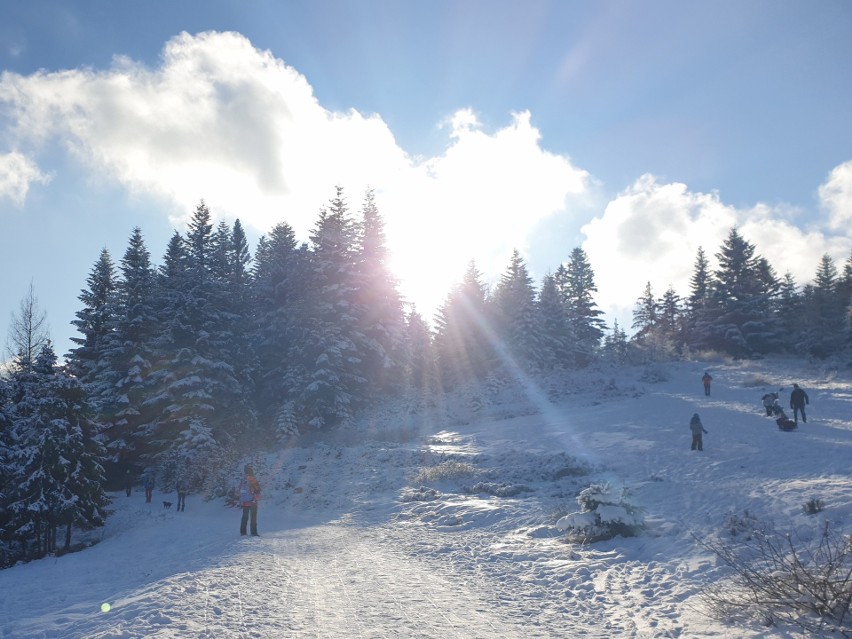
180, 488
149, 486
706, 379
128, 482
249, 494
697, 429
798, 400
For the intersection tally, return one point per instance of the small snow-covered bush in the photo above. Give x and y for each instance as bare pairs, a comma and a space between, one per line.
654, 374
498, 490
419, 494
449, 469
605, 512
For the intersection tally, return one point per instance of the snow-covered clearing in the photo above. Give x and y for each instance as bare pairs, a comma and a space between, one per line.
444, 524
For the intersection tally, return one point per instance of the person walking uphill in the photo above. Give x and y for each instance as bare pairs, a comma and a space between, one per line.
249, 496
798, 399
697, 429
706, 379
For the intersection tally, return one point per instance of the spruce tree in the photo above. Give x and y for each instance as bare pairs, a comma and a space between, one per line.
331, 351
382, 320
516, 318
280, 286
55, 457
131, 354
557, 337
464, 332
96, 323
576, 282
740, 320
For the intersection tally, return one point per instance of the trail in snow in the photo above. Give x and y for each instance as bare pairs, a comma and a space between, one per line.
372, 537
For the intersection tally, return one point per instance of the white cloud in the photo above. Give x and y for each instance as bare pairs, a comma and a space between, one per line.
17, 173
836, 198
220, 120
223, 121
652, 232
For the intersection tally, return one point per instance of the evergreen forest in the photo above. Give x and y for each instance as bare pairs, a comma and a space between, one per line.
219, 352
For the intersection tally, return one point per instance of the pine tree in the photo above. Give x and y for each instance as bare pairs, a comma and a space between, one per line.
615, 345
557, 337
516, 317
699, 303
280, 287
382, 320
576, 283
55, 457
422, 372
463, 332
96, 323
131, 354
331, 352
645, 314
824, 312
740, 320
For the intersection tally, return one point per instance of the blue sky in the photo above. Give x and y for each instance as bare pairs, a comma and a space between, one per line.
637, 130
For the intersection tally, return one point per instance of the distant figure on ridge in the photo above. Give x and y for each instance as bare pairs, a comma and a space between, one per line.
798, 399
706, 379
697, 429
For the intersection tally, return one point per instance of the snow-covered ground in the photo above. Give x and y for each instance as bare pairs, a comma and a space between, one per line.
443, 524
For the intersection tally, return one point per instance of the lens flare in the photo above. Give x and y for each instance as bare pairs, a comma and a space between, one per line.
105, 607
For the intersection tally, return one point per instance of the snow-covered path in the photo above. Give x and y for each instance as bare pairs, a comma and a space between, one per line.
451, 533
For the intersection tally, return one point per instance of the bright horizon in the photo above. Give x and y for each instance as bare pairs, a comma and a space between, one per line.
639, 133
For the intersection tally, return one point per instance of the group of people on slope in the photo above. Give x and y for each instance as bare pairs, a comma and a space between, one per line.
148, 484
798, 400
248, 495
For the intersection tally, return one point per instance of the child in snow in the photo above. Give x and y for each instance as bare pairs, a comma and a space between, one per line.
784, 422
770, 403
249, 492
697, 429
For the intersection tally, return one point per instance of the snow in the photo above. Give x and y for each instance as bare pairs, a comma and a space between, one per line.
444, 524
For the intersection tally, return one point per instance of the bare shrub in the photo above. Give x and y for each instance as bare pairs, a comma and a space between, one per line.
782, 579
449, 469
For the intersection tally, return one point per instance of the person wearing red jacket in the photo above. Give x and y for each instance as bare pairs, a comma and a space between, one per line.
249, 492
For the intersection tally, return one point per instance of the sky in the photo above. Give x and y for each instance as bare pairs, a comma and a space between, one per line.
446, 524
639, 131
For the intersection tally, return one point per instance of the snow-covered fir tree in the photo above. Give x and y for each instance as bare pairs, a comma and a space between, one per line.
464, 332
382, 320
516, 316
53, 460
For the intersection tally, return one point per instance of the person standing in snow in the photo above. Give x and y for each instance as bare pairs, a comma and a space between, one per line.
697, 429
249, 492
128, 481
798, 399
706, 379
180, 487
149, 486
770, 403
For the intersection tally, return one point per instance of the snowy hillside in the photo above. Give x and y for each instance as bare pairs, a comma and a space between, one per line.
443, 524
